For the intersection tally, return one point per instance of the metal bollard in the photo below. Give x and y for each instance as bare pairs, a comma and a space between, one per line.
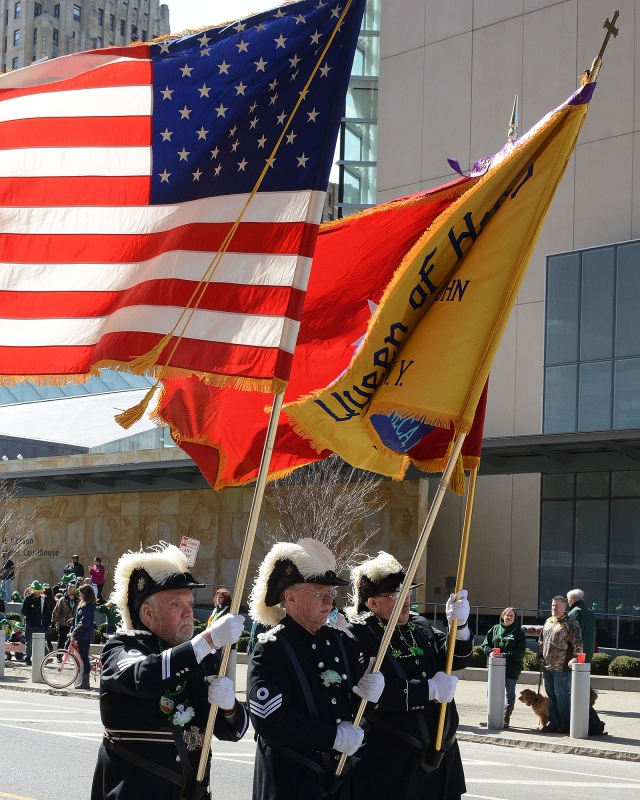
580, 688
2, 654
37, 657
496, 692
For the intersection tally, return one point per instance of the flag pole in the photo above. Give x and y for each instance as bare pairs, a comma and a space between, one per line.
462, 565
411, 571
243, 567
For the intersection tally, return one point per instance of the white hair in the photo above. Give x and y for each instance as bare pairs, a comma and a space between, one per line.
575, 594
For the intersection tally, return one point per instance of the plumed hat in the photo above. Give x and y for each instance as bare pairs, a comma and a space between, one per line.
287, 563
139, 575
381, 574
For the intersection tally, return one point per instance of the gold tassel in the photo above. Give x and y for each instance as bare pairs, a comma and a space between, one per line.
458, 482
144, 362
135, 413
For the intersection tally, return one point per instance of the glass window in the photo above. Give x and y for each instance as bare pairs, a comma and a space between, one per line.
596, 307
627, 297
362, 102
16, 11
556, 551
563, 276
16, 38
359, 184
15, 63
367, 57
35, 35
122, 27
371, 21
624, 568
55, 36
592, 548
625, 483
360, 141
101, 17
77, 13
56, 11
626, 405
37, 9
558, 486
594, 399
144, 35
134, 33
592, 484
560, 399
112, 22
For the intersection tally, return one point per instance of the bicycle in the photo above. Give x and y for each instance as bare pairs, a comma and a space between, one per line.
60, 668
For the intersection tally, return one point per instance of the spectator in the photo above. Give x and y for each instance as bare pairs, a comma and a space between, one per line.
7, 573
74, 566
15, 597
35, 615
82, 632
559, 642
221, 605
510, 639
110, 610
63, 614
97, 577
586, 619
49, 605
2, 599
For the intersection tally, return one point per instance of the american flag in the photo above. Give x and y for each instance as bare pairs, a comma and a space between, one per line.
122, 171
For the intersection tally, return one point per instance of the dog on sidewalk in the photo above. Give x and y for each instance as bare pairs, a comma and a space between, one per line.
538, 703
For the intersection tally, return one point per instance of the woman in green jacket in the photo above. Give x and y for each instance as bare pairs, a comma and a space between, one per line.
509, 638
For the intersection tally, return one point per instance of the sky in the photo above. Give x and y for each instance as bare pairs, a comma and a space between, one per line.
196, 13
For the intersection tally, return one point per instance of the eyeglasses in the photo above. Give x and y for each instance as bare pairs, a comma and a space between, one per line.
330, 594
394, 596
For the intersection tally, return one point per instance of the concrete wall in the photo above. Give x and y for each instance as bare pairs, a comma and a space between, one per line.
449, 71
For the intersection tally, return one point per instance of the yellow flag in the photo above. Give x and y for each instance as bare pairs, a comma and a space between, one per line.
433, 338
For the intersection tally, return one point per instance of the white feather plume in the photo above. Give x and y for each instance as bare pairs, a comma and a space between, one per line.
375, 569
160, 562
310, 556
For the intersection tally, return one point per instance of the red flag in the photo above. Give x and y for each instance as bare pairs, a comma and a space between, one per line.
223, 429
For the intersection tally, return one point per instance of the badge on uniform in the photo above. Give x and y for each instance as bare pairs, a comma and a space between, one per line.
166, 704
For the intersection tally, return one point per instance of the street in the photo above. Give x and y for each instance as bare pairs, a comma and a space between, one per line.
49, 747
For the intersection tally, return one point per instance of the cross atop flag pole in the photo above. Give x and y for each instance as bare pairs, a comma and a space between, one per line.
160, 210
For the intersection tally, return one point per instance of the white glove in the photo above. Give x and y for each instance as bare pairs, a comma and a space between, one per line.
458, 609
221, 692
442, 687
348, 738
226, 630
370, 685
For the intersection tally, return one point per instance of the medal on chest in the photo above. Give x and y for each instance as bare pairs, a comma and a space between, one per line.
167, 704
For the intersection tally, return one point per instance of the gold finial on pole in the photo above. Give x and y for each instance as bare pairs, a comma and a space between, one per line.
610, 26
513, 122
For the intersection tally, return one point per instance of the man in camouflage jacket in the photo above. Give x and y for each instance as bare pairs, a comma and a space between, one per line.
559, 643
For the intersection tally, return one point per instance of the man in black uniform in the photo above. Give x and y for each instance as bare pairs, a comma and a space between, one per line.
305, 678
158, 682
398, 759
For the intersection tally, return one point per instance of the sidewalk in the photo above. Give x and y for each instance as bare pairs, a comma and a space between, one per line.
619, 710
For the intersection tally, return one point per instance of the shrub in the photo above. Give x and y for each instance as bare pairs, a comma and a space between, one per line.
600, 664
202, 626
478, 657
243, 642
625, 667
530, 662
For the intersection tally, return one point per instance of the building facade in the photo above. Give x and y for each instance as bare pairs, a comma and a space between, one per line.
37, 31
558, 495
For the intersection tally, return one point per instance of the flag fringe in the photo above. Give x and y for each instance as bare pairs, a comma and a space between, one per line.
438, 464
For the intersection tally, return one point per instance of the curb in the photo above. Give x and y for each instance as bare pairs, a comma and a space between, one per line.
550, 747
92, 694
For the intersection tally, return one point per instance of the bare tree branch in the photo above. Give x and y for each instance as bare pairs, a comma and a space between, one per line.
328, 501
17, 531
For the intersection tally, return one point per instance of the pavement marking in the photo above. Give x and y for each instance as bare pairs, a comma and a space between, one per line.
573, 784
15, 796
483, 796
53, 733
571, 772
237, 760
472, 762
62, 722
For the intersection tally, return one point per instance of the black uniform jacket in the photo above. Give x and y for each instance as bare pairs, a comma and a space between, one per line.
389, 766
136, 674
287, 731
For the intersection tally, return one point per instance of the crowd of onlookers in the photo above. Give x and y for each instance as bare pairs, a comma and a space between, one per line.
64, 611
